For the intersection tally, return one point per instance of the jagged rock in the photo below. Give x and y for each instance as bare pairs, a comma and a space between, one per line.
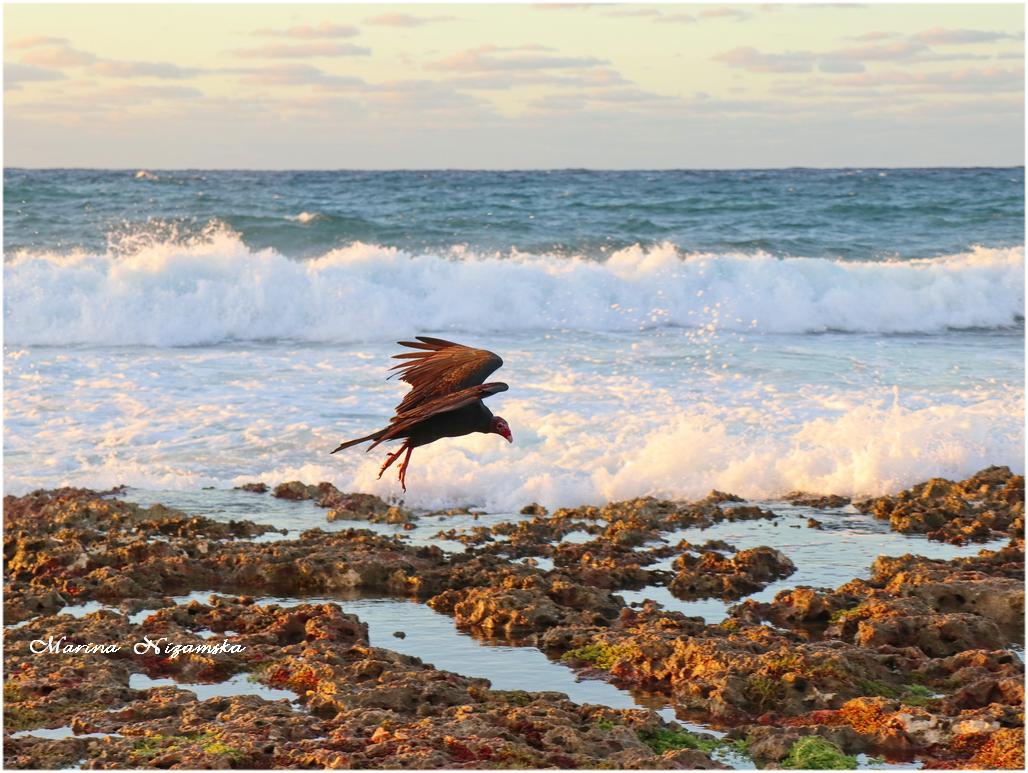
818, 501
295, 490
712, 574
986, 505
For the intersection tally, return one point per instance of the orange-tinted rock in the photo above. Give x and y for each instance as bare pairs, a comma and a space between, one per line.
711, 574
986, 505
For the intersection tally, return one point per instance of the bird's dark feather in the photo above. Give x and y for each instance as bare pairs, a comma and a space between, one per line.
445, 378
401, 423
441, 368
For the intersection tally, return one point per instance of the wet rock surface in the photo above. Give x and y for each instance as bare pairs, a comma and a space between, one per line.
350, 704
254, 488
912, 662
710, 573
820, 501
988, 504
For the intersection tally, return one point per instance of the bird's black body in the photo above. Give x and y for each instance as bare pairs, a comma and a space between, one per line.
463, 421
445, 399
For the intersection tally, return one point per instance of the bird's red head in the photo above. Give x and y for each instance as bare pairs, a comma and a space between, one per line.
499, 426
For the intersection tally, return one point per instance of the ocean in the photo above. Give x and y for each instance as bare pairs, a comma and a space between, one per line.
664, 333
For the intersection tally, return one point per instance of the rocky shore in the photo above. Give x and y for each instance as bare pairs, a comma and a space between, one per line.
917, 660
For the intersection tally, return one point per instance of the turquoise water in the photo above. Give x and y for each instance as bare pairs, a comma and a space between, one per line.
856, 214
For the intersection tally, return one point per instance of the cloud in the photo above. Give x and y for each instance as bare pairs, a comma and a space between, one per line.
709, 14
725, 12
317, 106
16, 73
655, 14
750, 59
494, 59
831, 6
565, 6
302, 51
58, 56
490, 87
406, 20
873, 36
881, 52
839, 66
705, 105
308, 32
120, 98
423, 96
298, 75
851, 60
116, 69
640, 12
602, 94
937, 36
608, 102
992, 79
626, 95
37, 40
592, 98
959, 56
504, 81
141, 94
844, 60
558, 103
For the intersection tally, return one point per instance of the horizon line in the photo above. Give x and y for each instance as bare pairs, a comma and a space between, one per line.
801, 167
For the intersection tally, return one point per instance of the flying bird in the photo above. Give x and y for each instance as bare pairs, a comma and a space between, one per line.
445, 398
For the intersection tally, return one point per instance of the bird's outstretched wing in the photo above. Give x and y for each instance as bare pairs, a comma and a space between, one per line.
402, 422
441, 368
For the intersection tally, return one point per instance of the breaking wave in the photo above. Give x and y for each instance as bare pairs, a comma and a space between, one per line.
561, 459
216, 289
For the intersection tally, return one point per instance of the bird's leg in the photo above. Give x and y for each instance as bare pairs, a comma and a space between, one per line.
392, 458
403, 468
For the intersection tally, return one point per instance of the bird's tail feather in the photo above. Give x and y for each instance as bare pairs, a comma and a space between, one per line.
348, 443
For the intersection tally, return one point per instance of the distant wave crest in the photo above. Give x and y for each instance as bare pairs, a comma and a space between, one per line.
215, 289
307, 217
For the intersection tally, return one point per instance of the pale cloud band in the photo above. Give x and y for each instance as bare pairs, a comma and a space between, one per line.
505, 86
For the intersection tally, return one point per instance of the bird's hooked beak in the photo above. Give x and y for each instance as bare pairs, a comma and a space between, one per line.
501, 428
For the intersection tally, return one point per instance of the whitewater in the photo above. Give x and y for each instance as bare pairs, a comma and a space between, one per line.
214, 288
203, 362
664, 333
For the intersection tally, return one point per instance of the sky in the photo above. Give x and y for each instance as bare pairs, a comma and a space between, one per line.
602, 86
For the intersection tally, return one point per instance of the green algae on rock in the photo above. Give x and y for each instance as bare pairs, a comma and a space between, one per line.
815, 753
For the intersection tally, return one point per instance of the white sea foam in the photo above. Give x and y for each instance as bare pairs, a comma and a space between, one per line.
185, 419
651, 372
563, 459
216, 289
865, 450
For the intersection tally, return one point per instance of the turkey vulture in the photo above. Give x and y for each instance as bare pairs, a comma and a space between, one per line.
445, 398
